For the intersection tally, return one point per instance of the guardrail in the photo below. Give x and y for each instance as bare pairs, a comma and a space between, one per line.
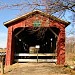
25, 55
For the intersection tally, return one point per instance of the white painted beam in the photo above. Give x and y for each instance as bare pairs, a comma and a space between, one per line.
35, 54
35, 60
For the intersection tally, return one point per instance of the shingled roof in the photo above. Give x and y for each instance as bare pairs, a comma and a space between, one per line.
34, 12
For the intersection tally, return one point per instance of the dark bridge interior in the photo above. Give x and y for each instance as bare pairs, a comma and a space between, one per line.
45, 37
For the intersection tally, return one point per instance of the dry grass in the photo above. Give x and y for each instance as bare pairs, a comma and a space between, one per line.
70, 58
36, 69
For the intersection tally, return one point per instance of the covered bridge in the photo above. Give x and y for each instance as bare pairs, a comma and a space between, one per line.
35, 28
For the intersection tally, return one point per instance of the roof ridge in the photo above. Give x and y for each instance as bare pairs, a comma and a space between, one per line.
41, 12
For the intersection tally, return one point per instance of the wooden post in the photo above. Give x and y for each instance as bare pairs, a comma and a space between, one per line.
37, 47
61, 48
10, 48
37, 55
2, 67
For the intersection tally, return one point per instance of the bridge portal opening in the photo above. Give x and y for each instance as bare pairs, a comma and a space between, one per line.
45, 37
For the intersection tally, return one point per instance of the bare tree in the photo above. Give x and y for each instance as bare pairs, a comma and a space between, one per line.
50, 6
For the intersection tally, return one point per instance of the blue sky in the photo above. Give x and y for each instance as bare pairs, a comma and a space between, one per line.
5, 15
8, 14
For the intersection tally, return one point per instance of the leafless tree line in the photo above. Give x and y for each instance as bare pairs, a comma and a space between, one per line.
70, 44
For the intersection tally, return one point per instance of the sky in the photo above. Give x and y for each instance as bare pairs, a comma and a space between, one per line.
5, 15
8, 14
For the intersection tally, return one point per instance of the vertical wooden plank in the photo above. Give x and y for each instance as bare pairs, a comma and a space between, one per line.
9, 51
2, 67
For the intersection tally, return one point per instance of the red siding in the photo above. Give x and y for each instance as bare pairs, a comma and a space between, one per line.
45, 22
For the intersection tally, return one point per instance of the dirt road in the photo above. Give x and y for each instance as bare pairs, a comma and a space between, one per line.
35, 69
